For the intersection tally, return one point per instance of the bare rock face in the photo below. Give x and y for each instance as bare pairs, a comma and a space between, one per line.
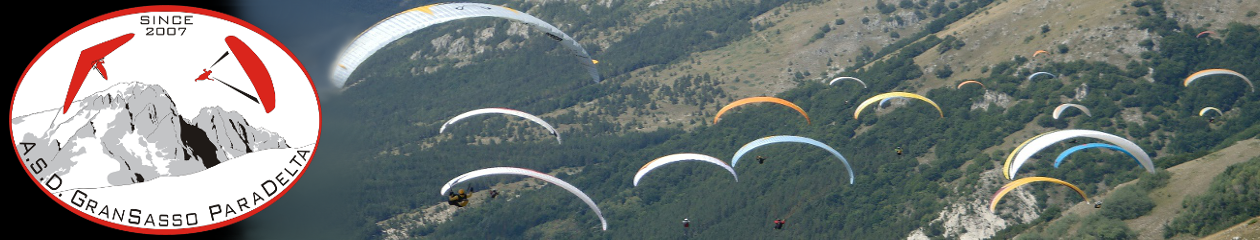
991, 98
969, 217
1081, 92
232, 134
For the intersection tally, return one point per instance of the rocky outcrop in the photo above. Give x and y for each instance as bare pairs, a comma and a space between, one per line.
969, 217
233, 135
992, 98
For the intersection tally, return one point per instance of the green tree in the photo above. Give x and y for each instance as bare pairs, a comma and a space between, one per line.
1230, 199
1097, 227
944, 72
1127, 203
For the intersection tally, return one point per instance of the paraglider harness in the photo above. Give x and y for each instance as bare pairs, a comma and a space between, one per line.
459, 200
686, 227
778, 223
761, 160
494, 193
452, 199
898, 151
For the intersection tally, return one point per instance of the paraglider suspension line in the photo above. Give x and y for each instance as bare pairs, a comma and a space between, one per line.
216, 62
251, 97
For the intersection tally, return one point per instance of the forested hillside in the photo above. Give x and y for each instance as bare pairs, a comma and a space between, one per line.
668, 66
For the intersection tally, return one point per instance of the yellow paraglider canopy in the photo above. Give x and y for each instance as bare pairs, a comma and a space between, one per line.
1206, 109
876, 98
1012, 185
1216, 71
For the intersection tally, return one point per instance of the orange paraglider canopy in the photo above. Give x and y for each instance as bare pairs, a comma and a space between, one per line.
757, 100
970, 81
1039, 52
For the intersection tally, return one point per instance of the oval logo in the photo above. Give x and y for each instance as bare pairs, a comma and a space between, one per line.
165, 120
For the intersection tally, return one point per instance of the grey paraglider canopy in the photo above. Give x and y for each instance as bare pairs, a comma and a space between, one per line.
404, 23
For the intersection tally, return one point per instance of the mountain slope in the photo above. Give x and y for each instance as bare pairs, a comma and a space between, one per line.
137, 128
660, 100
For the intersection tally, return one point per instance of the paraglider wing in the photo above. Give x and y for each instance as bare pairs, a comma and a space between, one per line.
1039, 52
1059, 110
1210, 72
530, 173
1032, 146
833, 81
759, 99
1204, 33
525, 115
1069, 151
876, 98
395, 27
1006, 165
1206, 109
1030, 77
673, 158
782, 139
969, 81
1014, 184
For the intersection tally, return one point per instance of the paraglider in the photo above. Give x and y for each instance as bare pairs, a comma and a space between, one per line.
686, 227
783, 139
898, 151
1039, 52
395, 27
969, 81
678, 157
1030, 77
756, 100
205, 75
512, 112
871, 100
1217, 71
833, 81
1014, 184
1069, 151
458, 200
1206, 109
1058, 111
1036, 144
530, 173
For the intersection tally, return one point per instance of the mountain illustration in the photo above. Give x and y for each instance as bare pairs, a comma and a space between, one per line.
131, 133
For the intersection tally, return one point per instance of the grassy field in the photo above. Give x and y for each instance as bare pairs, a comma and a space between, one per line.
1188, 179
